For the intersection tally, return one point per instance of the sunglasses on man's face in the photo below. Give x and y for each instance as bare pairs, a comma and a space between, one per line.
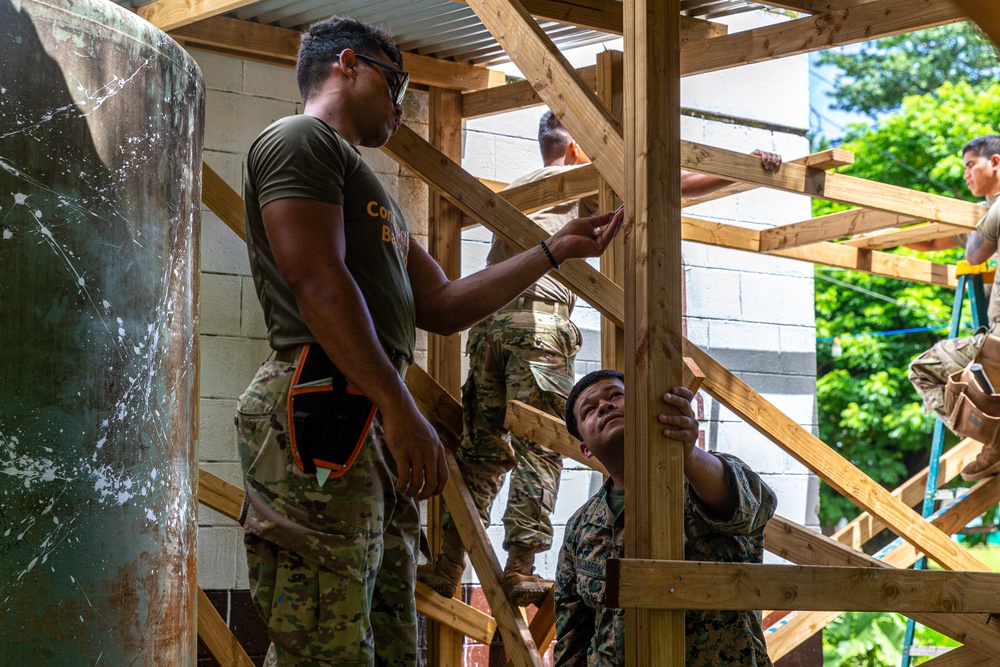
398, 88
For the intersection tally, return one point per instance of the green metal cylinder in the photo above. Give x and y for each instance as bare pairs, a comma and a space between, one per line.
100, 181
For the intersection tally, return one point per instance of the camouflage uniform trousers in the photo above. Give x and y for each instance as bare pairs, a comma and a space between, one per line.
929, 372
526, 356
332, 569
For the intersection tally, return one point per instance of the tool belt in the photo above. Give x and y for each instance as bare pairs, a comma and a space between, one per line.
970, 399
538, 305
328, 417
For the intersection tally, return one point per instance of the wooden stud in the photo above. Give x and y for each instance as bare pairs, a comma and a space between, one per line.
463, 619
222, 200
512, 97
444, 353
219, 639
279, 46
566, 185
170, 14
829, 465
654, 470
611, 90
222, 496
548, 431
543, 625
671, 584
891, 238
830, 227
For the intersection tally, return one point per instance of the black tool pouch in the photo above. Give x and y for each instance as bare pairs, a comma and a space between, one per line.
328, 418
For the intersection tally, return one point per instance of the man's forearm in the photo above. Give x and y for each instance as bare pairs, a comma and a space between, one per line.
706, 475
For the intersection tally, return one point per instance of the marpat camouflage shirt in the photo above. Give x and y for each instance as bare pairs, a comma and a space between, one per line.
588, 633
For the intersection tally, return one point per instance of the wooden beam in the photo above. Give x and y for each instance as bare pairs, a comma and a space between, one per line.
222, 496
862, 23
911, 492
829, 465
543, 625
170, 14
986, 14
462, 618
831, 186
222, 200
891, 238
566, 185
814, 6
654, 304
611, 91
219, 639
280, 46
666, 584
606, 16
478, 201
963, 656
548, 431
803, 546
511, 97
830, 227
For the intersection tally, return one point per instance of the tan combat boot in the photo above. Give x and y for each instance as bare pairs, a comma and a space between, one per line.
445, 574
986, 464
522, 586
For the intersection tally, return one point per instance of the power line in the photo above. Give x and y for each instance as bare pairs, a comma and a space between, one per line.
883, 297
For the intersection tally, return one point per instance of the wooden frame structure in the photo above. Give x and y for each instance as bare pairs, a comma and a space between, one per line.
638, 158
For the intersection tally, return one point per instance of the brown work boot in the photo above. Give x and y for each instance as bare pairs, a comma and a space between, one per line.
444, 575
522, 586
986, 464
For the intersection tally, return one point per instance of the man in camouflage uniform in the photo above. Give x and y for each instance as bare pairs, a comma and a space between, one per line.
332, 560
929, 372
526, 352
725, 510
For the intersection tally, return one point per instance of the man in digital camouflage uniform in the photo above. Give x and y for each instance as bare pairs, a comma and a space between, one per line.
929, 372
526, 352
725, 510
332, 561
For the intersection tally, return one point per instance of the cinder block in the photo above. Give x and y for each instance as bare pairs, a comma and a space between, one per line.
233, 121
479, 154
573, 493
797, 339
416, 107
768, 208
516, 157
380, 162
522, 123
270, 81
251, 315
216, 431
222, 251
693, 129
713, 293
421, 341
777, 299
219, 306
730, 136
229, 166
216, 554
412, 196
229, 364
220, 72
741, 440
697, 330
791, 491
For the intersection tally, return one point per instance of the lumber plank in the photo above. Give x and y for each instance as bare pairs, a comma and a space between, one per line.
986, 14
891, 238
279, 46
218, 638
547, 431
830, 227
543, 625
170, 14
809, 450
561, 187
462, 618
803, 546
654, 473
831, 186
511, 97
666, 584
814, 6
911, 492
478, 201
606, 16
222, 496
963, 656
611, 91
222, 200
720, 234
814, 33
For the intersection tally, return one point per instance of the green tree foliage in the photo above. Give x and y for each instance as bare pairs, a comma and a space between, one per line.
875, 77
867, 408
872, 639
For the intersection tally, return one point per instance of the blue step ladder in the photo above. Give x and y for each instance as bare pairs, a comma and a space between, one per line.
970, 282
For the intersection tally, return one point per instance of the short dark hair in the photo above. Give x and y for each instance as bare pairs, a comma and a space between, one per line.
585, 381
553, 138
983, 146
323, 42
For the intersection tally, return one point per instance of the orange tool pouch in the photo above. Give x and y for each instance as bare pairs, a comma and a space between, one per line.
973, 411
328, 418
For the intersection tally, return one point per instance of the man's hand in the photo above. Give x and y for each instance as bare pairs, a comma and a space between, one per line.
770, 161
585, 237
680, 425
419, 455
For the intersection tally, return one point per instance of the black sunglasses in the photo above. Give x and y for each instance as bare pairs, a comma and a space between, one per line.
396, 90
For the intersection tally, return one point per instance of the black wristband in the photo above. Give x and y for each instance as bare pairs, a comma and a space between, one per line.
548, 254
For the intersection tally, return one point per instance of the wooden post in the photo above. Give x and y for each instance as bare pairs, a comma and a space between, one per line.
444, 353
610, 88
654, 489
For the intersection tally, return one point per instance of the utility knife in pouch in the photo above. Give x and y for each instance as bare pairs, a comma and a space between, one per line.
328, 418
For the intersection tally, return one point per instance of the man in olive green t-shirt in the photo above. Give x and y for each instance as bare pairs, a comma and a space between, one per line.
332, 561
929, 372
